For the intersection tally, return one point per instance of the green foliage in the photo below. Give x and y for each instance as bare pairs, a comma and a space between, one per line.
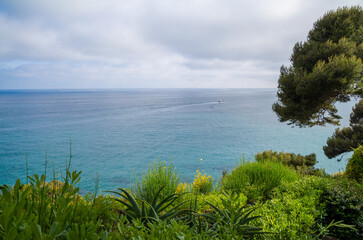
183, 188
202, 183
157, 176
324, 231
303, 164
14, 222
102, 207
150, 212
334, 25
313, 207
44, 210
354, 169
157, 230
342, 200
88, 230
293, 209
305, 98
343, 140
215, 198
257, 179
233, 220
325, 69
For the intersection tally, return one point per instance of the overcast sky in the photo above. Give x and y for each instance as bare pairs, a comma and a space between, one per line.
151, 44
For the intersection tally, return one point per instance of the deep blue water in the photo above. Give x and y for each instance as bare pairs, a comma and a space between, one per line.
116, 134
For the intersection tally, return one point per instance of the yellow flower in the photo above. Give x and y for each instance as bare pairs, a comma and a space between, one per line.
338, 174
201, 160
202, 183
181, 188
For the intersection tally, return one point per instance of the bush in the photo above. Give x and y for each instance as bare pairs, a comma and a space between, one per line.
101, 207
354, 169
42, 210
342, 200
158, 175
149, 213
233, 220
293, 210
199, 202
257, 179
182, 188
303, 164
202, 183
338, 175
157, 230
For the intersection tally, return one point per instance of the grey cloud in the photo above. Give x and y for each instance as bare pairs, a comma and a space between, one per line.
160, 43
239, 30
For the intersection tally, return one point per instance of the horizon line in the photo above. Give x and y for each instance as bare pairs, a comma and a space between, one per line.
116, 89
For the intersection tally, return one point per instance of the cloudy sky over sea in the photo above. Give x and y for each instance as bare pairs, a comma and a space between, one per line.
151, 44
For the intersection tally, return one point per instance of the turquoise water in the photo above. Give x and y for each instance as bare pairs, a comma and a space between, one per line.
116, 134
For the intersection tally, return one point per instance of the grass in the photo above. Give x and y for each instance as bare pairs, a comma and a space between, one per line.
257, 179
159, 175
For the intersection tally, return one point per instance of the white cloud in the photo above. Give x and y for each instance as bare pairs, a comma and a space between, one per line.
160, 43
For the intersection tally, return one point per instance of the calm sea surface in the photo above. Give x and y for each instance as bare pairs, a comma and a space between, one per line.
116, 134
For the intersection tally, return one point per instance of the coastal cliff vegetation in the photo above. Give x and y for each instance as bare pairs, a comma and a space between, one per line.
279, 196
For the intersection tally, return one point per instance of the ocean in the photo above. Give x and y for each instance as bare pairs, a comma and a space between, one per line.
116, 134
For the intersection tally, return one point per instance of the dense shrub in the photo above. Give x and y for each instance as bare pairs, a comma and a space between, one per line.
293, 210
342, 200
354, 169
199, 202
158, 175
257, 179
101, 207
202, 183
44, 210
312, 207
182, 188
299, 208
233, 220
158, 230
159, 209
303, 164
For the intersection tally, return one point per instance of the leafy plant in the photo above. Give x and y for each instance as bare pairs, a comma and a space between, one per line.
160, 230
354, 169
289, 159
257, 179
37, 210
199, 201
324, 231
89, 230
103, 207
293, 210
14, 221
342, 200
150, 212
233, 220
157, 176
182, 188
202, 183
48, 210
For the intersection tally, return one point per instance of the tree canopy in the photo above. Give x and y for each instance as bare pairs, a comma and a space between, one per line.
344, 139
325, 69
